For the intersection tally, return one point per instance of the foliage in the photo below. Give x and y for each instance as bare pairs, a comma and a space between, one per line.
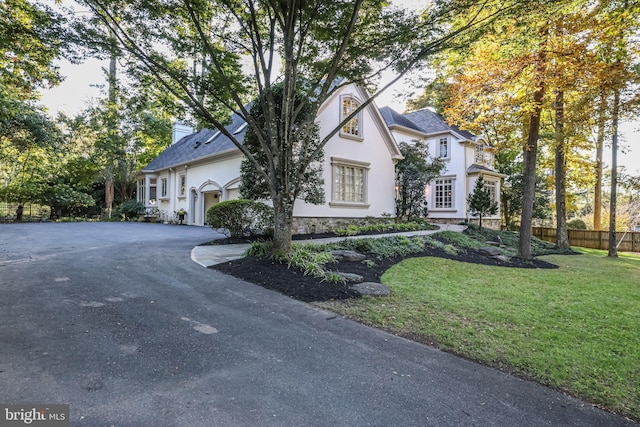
413, 173
474, 238
512, 190
311, 261
378, 227
480, 202
541, 79
32, 36
196, 50
308, 186
130, 209
383, 247
240, 218
576, 224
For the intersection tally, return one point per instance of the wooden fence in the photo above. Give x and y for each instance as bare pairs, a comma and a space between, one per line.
628, 242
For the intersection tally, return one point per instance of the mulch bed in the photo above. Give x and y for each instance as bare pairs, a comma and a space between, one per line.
276, 276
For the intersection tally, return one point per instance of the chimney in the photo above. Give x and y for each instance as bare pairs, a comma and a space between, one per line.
180, 130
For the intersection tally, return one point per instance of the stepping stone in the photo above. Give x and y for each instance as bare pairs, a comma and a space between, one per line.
345, 255
371, 288
349, 277
489, 251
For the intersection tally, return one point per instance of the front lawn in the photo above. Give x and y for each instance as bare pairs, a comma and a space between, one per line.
576, 328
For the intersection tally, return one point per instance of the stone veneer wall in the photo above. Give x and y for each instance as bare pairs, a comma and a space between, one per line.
488, 223
310, 225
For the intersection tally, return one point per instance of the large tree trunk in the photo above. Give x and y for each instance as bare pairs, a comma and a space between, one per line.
613, 250
562, 236
597, 199
282, 225
109, 192
530, 154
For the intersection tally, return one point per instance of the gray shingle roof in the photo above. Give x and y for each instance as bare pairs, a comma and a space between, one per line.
392, 117
476, 168
423, 120
201, 144
209, 142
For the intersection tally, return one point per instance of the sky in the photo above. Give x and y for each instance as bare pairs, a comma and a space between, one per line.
82, 81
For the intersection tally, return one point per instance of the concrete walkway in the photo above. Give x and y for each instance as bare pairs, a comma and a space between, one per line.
210, 255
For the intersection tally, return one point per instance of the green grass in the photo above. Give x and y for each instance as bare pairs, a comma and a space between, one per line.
576, 328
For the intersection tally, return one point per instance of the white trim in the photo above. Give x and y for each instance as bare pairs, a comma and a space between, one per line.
240, 128
212, 137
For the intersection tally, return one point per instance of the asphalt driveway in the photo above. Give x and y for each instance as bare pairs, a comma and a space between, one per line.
117, 321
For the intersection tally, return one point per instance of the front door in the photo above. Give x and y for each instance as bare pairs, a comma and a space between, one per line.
210, 198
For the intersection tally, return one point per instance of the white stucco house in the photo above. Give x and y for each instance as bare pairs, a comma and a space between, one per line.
201, 169
466, 157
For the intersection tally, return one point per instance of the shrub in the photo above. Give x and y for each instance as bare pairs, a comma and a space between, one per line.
383, 247
450, 249
130, 209
241, 218
576, 224
462, 240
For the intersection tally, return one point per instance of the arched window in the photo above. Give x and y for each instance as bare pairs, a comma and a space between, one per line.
354, 126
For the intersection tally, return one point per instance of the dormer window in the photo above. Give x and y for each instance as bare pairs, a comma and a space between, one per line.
353, 128
479, 154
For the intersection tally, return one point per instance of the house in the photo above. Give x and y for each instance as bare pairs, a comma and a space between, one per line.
201, 169
466, 157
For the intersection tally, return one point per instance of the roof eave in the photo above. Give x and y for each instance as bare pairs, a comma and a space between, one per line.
222, 154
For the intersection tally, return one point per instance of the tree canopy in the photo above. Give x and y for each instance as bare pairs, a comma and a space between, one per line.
217, 56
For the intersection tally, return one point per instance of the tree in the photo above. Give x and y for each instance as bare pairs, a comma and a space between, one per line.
310, 184
289, 42
532, 79
413, 173
613, 242
480, 202
31, 37
618, 50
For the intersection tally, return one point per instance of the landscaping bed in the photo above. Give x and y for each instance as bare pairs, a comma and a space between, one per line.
276, 275
567, 322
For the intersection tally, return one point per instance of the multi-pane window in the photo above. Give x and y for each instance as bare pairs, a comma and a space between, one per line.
479, 154
353, 126
153, 190
141, 191
163, 187
349, 184
183, 185
490, 186
443, 193
443, 148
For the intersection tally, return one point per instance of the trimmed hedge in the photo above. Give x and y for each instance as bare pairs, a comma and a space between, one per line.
241, 218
